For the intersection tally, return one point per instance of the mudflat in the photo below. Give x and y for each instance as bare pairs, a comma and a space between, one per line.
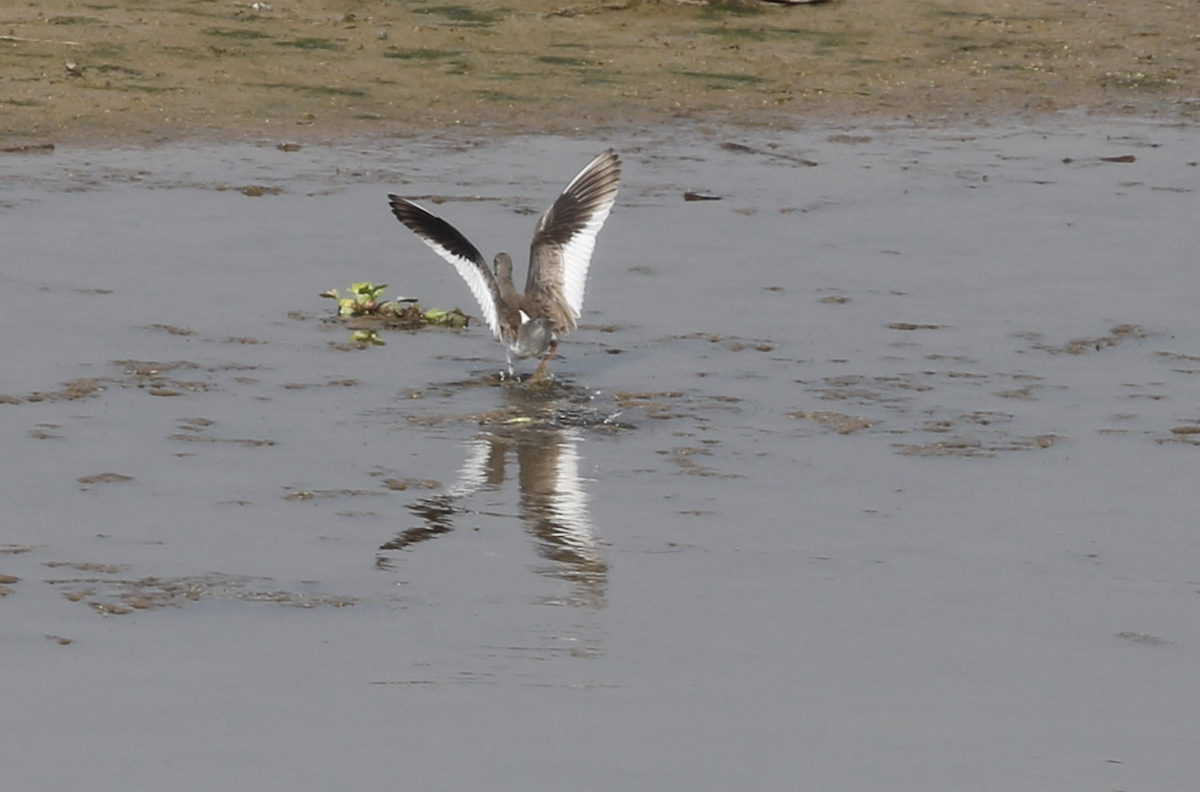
102, 71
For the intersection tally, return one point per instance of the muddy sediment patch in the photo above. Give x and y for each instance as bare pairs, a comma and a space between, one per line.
313, 70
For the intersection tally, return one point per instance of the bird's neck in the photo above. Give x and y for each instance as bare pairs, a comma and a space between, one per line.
504, 281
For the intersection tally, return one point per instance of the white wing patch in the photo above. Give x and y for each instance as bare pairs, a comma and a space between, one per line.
577, 257
576, 252
477, 282
433, 230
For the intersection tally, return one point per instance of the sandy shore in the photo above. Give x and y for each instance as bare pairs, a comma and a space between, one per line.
308, 70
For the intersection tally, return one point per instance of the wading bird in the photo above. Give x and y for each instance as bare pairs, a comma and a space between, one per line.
529, 324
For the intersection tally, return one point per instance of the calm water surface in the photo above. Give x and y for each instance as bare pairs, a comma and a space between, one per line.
878, 473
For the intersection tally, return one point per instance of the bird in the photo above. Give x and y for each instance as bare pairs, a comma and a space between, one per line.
529, 324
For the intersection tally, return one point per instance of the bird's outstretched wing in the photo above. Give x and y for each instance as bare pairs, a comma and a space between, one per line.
449, 243
565, 237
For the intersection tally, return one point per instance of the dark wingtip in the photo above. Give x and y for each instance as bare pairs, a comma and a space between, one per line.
434, 229
596, 185
411, 214
404, 209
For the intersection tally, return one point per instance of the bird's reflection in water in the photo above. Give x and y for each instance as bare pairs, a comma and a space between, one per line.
553, 505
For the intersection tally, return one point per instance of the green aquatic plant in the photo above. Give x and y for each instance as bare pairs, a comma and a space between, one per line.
363, 300
453, 318
367, 338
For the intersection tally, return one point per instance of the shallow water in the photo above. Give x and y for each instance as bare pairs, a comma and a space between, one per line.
873, 474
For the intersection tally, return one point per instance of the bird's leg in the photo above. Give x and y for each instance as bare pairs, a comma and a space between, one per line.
541, 369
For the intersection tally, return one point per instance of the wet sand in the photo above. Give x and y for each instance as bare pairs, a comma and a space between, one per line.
308, 70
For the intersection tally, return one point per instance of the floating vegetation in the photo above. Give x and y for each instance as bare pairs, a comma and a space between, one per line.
441, 317
364, 301
365, 338
361, 298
